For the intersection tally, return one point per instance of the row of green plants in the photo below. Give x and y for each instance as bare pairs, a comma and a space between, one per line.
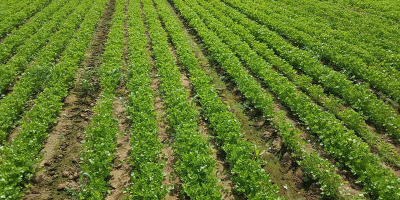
351, 118
99, 146
360, 98
195, 165
31, 46
341, 20
147, 166
241, 155
18, 159
227, 127
20, 35
334, 52
16, 19
36, 77
336, 139
8, 8
373, 48
388, 9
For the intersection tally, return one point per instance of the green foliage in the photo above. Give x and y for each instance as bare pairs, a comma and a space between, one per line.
19, 36
19, 158
352, 119
248, 176
147, 166
99, 144
18, 18
335, 51
195, 166
35, 78
359, 97
336, 138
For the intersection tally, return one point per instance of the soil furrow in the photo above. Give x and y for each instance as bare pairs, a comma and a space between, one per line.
281, 166
165, 136
58, 177
172, 180
222, 169
120, 175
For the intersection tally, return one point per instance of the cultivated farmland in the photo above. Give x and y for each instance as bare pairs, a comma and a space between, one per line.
199, 99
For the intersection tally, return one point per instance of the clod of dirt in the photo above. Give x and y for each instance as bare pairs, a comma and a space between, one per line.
65, 174
61, 186
76, 175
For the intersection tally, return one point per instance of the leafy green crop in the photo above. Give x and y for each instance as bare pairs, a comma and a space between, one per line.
19, 158
36, 77
99, 144
18, 18
359, 97
147, 166
338, 141
351, 118
195, 166
335, 52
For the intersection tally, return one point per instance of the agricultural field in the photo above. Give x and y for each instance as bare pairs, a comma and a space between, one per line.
199, 99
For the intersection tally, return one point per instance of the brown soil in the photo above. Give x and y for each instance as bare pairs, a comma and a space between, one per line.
282, 169
58, 177
14, 133
171, 179
222, 168
120, 175
165, 136
281, 166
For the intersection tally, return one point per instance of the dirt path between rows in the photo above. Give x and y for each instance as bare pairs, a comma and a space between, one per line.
165, 136
279, 165
120, 174
58, 177
222, 169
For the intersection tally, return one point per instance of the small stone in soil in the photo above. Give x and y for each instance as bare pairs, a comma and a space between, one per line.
61, 186
65, 174
76, 175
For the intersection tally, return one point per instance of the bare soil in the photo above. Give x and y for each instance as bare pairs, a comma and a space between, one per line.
165, 136
58, 177
120, 174
280, 165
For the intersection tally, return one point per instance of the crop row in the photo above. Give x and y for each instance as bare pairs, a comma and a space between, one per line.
36, 77
350, 117
8, 8
337, 140
334, 53
20, 35
147, 167
387, 9
28, 51
351, 24
360, 98
195, 166
19, 158
18, 18
372, 48
250, 179
227, 127
100, 137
